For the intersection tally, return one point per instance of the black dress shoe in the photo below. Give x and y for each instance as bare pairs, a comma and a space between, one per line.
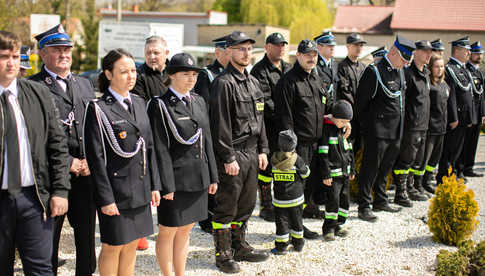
472, 174
386, 208
367, 215
309, 234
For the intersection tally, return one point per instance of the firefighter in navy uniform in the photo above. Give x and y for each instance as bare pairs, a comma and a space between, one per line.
71, 94
349, 71
300, 104
380, 109
406, 172
326, 66
241, 148
202, 87
209, 73
467, 158
268, 71
460, 106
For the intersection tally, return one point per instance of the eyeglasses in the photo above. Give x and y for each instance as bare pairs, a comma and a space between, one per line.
243, 49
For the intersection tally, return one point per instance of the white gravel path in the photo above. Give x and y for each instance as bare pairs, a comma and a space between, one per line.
397, 244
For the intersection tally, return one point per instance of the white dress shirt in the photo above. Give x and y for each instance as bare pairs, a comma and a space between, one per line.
120, 98
62, 83
180, 95
26, 171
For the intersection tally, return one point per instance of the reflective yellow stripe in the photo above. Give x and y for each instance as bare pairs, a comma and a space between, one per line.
284, 177
430, 168
347, 145
401, 171
288, 203
343, 213
332, 216
238, 223
296, 234
280, 171
419, 173
323, 149
217, 226
307, 174
333, 141
282, 238
264, 178
336, 172
304, 206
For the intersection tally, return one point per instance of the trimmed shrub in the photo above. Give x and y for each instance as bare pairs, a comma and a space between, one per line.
467, 260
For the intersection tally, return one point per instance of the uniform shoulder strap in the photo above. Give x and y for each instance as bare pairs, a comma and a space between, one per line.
209, 74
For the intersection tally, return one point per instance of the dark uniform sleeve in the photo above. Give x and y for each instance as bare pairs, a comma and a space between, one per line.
96, 159
140, 87
284, 99
263, 139
209, 150
323, 162
352, 157
344, 88
452, 108
265, 87
301, 168
162, 153
202, 85
364, 94
221, 120
57, 151
153, 164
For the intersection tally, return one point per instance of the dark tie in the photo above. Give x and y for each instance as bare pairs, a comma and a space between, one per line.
13, 159
68, 90
130, 107
186, 99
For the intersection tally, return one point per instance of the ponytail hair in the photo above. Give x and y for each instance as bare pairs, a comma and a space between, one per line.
107, 64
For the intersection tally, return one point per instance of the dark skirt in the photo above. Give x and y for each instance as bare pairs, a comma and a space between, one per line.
130, 225
185, 208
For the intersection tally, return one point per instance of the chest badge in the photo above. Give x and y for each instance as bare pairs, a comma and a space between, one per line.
123, 135
324, 100
48, 80
260, 106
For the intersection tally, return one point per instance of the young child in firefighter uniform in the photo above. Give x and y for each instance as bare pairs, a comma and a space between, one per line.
336, 162
288, 170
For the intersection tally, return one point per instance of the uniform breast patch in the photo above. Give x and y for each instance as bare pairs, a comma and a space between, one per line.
123, 135
260, 106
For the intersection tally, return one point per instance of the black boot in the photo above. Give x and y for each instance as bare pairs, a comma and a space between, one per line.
224, 258
206, 225
427, 182
242, 250
297, 244
418, 185
267, 210
412, 192
401, 197
280, 248
309, 234
312, 211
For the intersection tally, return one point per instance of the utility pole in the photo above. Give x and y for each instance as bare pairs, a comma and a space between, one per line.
118, 11
68, 14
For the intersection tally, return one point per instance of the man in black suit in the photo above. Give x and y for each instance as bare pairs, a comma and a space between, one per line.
71, 94
34, 160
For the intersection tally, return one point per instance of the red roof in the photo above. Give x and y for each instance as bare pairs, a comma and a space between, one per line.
363, 19
463, 15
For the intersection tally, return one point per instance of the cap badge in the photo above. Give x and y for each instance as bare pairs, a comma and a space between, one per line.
190, 62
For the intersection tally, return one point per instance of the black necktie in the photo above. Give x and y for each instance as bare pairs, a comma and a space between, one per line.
130, 108
186, 99
13, 158
68, 90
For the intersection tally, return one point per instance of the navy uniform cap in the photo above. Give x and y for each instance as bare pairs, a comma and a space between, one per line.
463, 42
238, 37
276, 38
355, 38
437, 45
24, 57
182, 62
220, 42
423, 45
477, 48
380, 52
307, 46
326, 38
55, 36
405, 46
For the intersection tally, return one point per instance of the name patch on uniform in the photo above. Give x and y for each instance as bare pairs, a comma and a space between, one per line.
260, 106
284, 177
324, 100
183, 118
123, 135
118, 122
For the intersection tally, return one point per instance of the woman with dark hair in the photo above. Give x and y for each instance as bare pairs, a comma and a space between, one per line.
186, 162
433, 147
120, 155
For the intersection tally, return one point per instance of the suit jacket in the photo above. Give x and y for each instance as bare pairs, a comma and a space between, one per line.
328, 75
186, 168
82, 92
478, 99
460, 101
123, 181
48, 143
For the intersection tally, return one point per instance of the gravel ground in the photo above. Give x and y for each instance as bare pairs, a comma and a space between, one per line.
397, 244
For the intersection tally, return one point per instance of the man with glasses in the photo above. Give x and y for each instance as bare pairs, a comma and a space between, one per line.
380, 110
241, 146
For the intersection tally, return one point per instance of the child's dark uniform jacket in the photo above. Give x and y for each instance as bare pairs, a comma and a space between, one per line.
288, 170
336, 161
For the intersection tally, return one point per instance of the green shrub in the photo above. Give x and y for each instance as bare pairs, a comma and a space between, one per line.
467, 260
453, 212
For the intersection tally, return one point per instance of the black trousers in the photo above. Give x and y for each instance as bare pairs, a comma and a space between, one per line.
409, 155
236, 195
467, 157
452, 148
82, 218
378, 159
289, 222
23, 226
338, 203
308, 153
430, 152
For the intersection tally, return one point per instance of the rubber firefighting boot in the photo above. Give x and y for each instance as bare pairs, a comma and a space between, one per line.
418, 185
267, 210
401, 197
224, 258
427, 182
413, 193
297, 243
242, 250
280, 248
